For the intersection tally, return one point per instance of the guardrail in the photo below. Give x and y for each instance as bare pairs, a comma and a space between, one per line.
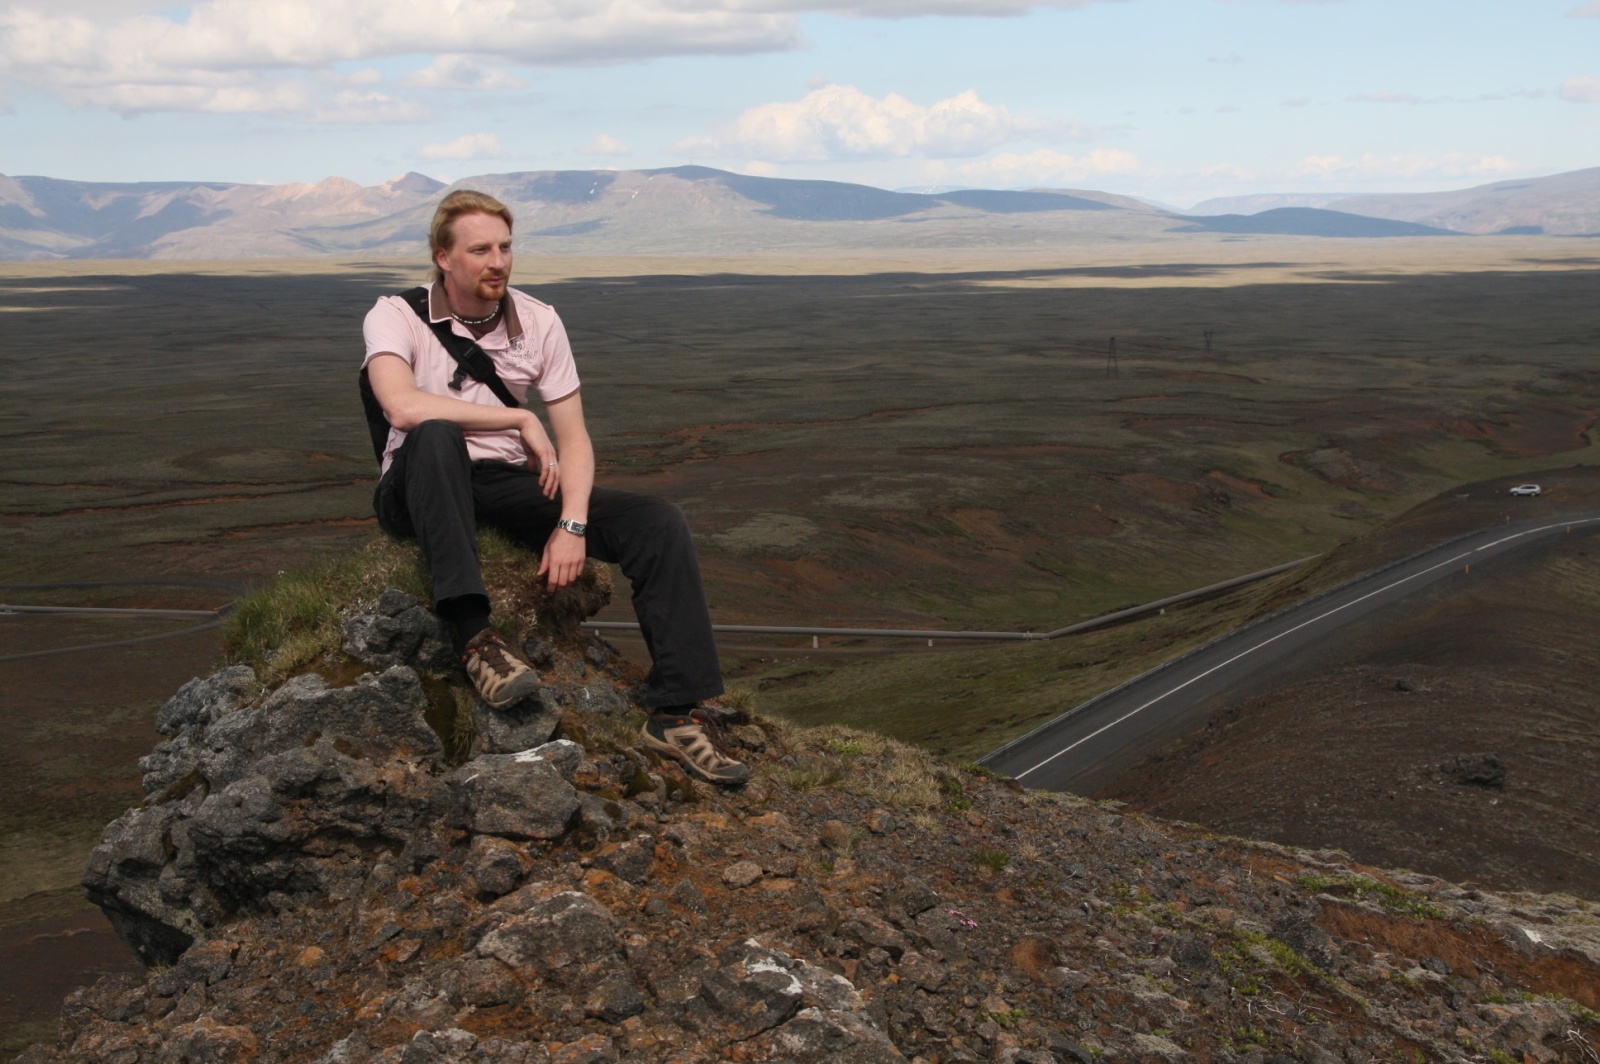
918, 633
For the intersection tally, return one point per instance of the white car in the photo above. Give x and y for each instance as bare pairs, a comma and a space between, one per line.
1526, 489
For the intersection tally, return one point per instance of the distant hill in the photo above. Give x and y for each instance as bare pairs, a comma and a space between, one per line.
1265, 201
695, 209
1561, 205
1309, 221
675, 210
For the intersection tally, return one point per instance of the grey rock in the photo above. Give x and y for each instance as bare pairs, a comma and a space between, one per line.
540, 654
516, 796
402, 632
380, 715
822, 989
520, 726
553, 934
602, 817
615, 998
496, 865
916, 897
439, 1047
870, 929
753, 993
1296, 931
199, 702
484, 982
844, 1037
741, 874
922, 971
687, 895
631, 860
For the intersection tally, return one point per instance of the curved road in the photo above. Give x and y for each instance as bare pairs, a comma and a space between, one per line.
1108, 732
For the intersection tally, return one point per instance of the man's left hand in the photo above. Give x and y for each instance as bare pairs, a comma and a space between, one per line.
563, 559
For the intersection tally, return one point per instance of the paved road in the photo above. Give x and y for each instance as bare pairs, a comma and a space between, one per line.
1111, 731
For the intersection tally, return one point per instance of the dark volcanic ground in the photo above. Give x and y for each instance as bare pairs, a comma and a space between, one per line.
1346, 750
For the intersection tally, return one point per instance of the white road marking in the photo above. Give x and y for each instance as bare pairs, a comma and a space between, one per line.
1296, 628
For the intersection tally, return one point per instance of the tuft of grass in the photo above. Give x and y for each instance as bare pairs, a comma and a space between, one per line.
740, 698
995, 860
293, 622
844, 747
1363, 888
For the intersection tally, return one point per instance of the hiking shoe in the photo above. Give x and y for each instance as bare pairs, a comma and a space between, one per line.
693, 742
499, 675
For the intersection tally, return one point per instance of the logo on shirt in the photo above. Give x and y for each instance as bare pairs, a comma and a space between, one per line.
517, 352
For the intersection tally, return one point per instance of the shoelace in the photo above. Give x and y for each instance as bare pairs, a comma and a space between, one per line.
493, 653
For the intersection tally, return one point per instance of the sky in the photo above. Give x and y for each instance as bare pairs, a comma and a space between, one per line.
1171, 100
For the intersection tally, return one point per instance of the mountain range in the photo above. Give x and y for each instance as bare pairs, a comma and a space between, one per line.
691, 209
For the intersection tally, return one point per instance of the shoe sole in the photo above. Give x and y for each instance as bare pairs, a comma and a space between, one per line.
668, 750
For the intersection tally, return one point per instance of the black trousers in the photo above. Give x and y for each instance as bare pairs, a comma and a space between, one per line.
436, 494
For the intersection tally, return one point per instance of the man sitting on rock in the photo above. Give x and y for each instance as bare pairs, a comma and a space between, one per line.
458, 456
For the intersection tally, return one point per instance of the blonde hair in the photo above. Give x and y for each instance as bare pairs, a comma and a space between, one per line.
463, 201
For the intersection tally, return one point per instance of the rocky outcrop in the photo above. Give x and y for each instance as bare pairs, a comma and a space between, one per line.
321, 875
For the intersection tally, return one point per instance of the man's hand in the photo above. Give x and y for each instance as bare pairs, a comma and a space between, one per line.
563, 559
541, 455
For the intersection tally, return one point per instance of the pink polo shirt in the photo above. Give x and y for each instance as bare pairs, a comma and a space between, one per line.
529, 348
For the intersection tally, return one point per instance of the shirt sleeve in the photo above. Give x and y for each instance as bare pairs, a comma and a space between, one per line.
558, 377
387, 331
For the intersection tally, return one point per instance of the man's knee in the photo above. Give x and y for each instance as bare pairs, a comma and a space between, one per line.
436, 432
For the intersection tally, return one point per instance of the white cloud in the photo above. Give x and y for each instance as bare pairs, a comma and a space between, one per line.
1591, 9
605, 144
468, 146
1385, 96
144, 55
842, 122
918, 8
757, 168
1581, 89
1455, 164
1040, 167
462, 72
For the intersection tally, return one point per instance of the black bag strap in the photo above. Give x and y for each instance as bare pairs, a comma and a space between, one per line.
471, 360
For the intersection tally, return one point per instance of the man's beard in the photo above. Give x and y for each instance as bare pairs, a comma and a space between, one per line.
490, 288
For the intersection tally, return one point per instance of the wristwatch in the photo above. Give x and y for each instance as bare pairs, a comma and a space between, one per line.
577, 528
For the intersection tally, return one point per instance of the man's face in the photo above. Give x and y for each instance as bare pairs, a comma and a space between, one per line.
478, 263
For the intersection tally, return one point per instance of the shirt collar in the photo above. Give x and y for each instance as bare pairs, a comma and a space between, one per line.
439, 310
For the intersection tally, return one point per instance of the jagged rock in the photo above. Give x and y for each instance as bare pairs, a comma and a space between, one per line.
1299, 933
520, 726
401, 632
630, 861
753, 991
602, 817
844, 1037
310, 762
541, 654
741, 874
616, 998
568, 928
870, 929
516, 796
199, 702
495, 865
